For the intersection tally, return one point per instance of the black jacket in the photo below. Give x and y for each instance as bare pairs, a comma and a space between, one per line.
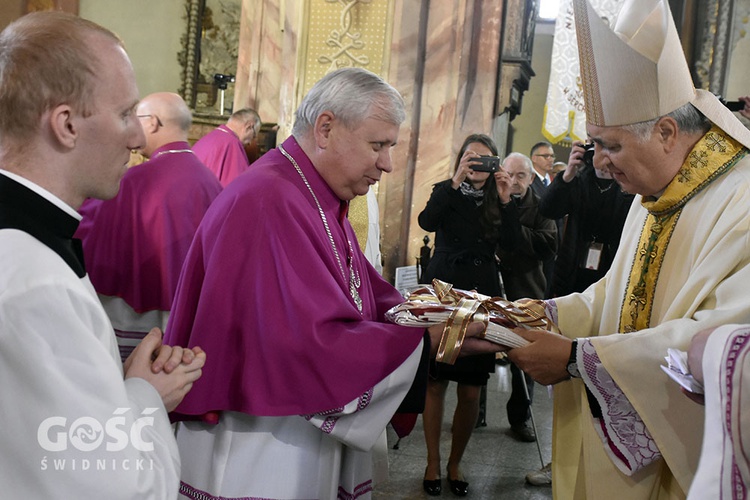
521, 265
464, 254
596, 212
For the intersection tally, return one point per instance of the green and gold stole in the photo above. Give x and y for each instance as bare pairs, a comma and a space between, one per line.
712, 156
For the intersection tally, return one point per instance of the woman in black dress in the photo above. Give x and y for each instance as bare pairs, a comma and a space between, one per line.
464, 212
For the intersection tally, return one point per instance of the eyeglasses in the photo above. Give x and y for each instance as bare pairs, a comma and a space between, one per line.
158, 121
547, 157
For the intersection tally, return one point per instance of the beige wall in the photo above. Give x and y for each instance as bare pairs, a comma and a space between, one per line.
151, 31
738, 79
9, 10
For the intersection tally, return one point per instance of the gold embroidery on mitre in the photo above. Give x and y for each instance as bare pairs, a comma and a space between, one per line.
591, 95
713, 155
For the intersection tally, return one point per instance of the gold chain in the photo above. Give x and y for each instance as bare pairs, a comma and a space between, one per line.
169, 151
354, 280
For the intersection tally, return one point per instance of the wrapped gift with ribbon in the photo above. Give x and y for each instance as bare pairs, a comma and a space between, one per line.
441, 303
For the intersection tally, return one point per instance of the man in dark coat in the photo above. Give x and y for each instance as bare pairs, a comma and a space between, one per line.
522, 272
596, 208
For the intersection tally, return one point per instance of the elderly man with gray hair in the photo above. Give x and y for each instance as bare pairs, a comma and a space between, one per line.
621, 425
223, 149
307, 373
522, 271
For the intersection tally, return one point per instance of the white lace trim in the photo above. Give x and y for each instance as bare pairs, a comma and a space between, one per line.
626, 439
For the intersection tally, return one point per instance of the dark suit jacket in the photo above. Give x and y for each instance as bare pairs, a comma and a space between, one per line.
521, 268
538, 186
595, 214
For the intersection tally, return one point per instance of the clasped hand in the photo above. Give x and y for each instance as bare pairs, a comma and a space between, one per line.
170, 369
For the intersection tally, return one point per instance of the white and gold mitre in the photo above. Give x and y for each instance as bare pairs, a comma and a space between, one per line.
636, 71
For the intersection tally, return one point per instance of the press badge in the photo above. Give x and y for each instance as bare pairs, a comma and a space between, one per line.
594, 256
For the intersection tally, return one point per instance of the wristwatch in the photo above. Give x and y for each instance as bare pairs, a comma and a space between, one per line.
573, 361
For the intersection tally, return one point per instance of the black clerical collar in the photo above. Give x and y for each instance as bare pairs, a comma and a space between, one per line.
23, 209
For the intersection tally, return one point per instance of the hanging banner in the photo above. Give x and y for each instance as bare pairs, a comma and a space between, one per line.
564, 113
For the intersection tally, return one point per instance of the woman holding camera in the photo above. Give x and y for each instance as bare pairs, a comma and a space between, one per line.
464, 212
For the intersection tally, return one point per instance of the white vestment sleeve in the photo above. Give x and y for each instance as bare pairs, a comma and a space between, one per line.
360, 423
724, 468
72, 427
372, 248
626, 440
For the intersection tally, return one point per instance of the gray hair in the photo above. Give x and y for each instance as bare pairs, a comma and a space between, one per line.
352, 95
244, 115
526, 161
687, 116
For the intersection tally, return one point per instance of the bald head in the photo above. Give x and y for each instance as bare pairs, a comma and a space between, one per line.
165, 118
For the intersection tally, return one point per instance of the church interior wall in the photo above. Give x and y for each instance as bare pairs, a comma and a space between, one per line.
151, 32
268, 70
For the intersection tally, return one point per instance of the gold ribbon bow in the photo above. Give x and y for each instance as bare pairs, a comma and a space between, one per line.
467, 307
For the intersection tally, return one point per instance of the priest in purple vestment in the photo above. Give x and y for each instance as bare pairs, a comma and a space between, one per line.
135, 243
222, 150
305, 372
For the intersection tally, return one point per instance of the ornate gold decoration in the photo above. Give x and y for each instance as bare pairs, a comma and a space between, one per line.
213, 32
344, 41
219, 49
342, 33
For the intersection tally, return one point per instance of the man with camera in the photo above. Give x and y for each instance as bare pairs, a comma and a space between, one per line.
522, 271
596, 208
223, 150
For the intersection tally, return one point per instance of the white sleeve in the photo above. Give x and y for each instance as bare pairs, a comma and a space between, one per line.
362, 421
73, 428
724, 467
372, 247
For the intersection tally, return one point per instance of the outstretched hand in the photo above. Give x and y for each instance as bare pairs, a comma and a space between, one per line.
545, 359
471, 344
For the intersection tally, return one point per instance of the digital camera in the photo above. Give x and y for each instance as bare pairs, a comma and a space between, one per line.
735, 105
488, 164
588, 155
